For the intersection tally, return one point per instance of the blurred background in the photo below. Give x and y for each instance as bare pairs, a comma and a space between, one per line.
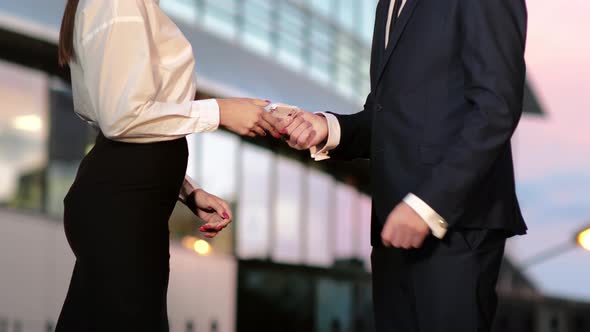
297, 256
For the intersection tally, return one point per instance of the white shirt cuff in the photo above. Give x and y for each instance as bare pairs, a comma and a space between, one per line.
321, 152
435, 222
207, 111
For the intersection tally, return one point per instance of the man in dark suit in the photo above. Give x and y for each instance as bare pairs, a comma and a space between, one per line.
447, 81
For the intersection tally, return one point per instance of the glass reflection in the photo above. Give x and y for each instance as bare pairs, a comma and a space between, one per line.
364, 230
253, 216
319, 230
23, 136
218, 162
289, 189
345, 210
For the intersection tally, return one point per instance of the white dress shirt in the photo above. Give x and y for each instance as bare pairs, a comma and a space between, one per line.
435, 222
133, 75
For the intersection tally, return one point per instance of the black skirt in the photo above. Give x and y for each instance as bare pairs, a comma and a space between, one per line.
116, 222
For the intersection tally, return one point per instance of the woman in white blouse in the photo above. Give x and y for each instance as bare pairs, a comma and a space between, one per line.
133, 79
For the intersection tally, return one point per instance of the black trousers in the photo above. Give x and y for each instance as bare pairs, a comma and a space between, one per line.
446, 286
116, 222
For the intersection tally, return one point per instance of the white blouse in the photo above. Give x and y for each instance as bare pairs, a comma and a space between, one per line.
133, 74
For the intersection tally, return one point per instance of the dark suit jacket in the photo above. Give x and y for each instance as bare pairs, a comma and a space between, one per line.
446, 97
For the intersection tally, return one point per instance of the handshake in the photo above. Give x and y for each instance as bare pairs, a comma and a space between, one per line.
249, 117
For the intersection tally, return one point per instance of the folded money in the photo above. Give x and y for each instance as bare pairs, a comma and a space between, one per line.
283, 111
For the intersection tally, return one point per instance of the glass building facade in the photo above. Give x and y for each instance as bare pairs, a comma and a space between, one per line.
287, 209
328, 40
300, 231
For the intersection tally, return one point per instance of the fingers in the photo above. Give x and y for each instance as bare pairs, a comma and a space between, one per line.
216, 205
260, 102
297, 121
303, 140
270, 123
209, 235
214, 225
228, 213
398, 232
304, 126
402, 237
418, 241
258, 130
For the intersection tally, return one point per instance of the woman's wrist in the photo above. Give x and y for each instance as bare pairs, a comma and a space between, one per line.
222, 103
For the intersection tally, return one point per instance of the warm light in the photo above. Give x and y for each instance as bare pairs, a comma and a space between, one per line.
584, 239
202, 247
189, 242
32, 123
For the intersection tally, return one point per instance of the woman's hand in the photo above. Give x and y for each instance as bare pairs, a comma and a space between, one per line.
246, 117
214, 211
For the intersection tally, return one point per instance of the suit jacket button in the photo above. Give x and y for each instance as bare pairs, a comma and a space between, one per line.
379, 108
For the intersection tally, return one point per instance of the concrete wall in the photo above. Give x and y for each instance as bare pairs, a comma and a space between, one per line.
36, 264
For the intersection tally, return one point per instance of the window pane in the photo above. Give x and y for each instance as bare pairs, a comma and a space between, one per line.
369, 8
287, 237
182, 9
23, 136
343, 230
69, 139
324, 7
218, 159
364, 230
253, 219
318, 220
348, 14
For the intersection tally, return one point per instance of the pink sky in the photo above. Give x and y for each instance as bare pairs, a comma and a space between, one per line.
558, 56
553, 153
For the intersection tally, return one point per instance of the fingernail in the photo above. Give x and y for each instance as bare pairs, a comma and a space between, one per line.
283, 131
268, 101
276, 135
219, 228
225, 215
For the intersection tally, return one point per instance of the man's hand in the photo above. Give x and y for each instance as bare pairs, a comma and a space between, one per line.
404, 228
214, 211
304, 129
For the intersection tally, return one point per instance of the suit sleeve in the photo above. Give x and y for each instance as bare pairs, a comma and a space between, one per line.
355, 133
493, 33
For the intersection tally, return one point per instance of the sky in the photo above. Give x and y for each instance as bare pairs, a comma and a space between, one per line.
553, 152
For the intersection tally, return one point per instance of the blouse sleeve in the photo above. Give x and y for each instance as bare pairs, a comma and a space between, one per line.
118, 59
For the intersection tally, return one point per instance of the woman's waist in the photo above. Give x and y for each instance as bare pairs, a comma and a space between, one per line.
112, 161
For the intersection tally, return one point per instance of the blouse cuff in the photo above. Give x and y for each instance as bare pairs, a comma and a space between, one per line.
207, 111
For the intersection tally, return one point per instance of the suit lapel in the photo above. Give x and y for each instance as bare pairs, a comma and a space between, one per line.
397, 32
377, 49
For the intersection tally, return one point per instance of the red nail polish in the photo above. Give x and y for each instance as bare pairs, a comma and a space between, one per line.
219, 228
225, 215
283, 131
268, 101
276, 135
